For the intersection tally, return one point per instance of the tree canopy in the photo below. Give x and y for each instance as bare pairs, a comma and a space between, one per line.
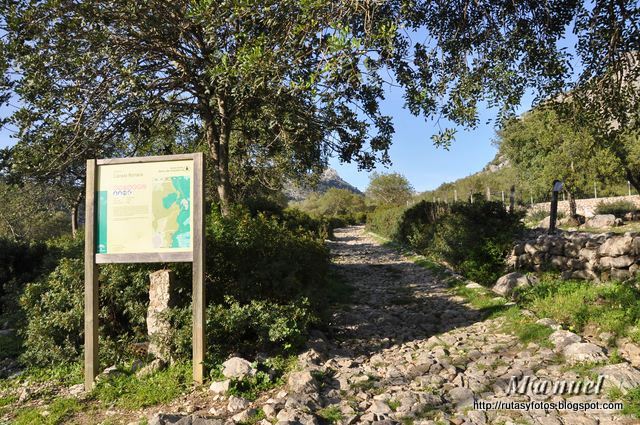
284, 83
544, 148
389, 189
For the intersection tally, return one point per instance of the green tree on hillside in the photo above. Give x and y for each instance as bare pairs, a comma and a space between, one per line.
543, 148
388, 189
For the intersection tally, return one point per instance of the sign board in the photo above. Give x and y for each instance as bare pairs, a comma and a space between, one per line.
144, 210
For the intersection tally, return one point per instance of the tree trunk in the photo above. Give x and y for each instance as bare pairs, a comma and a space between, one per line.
75, 210
635, 181
217, 140
224, 183
74, 221
573, 210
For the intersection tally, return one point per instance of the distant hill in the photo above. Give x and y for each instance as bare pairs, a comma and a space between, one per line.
329, 179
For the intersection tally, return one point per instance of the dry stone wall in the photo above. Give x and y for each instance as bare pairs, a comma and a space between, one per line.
586, 207
579, 255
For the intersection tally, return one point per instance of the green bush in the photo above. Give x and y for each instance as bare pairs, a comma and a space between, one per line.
266, 281
617, 208
258, 258
19, 263
384, 221
474, 239
297, 220
417, 223
53, 307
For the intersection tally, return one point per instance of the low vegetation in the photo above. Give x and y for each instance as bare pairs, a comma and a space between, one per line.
612, 307
617, 208
340, 206
472, 238
267, 282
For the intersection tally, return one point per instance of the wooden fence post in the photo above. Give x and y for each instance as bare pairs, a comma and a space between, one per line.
91, 307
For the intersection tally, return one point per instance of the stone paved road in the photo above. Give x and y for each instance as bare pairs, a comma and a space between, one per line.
408, 351
403, 349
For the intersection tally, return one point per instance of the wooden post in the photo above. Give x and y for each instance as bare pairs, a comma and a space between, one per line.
488, 193
199, 311
503, 197
471, 198
91, 308
595, 190
629, 187
455, 195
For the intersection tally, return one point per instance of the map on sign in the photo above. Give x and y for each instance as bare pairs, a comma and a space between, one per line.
171, 212
144, 207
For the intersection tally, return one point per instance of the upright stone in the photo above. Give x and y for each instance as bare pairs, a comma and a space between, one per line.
158, 326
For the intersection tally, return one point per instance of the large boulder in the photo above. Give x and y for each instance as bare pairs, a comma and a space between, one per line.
601, 221
561, 339
506, 285
545, 222
616, 246
237, 368
622, 376
621, 262
583, 352
302, 382
588, 212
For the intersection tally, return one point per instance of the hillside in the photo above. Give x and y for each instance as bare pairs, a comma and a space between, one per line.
329, 179
498, 175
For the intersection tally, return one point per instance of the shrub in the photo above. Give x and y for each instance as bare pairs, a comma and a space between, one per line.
296, 220
417, 223
617, 208
333, 203
258, 258
53, 306
266, 280
19, 263
384, 221
474, 239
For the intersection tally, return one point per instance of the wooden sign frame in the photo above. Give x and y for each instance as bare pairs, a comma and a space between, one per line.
92, 261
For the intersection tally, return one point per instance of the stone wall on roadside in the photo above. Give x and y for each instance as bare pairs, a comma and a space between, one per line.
579, 255
586, 207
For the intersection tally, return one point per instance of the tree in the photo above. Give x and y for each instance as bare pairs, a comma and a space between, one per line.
389, 189
543, 148
29, 212
334, 202
310, 72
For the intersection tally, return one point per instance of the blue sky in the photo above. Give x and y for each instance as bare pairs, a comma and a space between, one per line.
414, 155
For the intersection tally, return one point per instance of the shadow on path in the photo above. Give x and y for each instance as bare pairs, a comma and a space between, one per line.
395, 301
